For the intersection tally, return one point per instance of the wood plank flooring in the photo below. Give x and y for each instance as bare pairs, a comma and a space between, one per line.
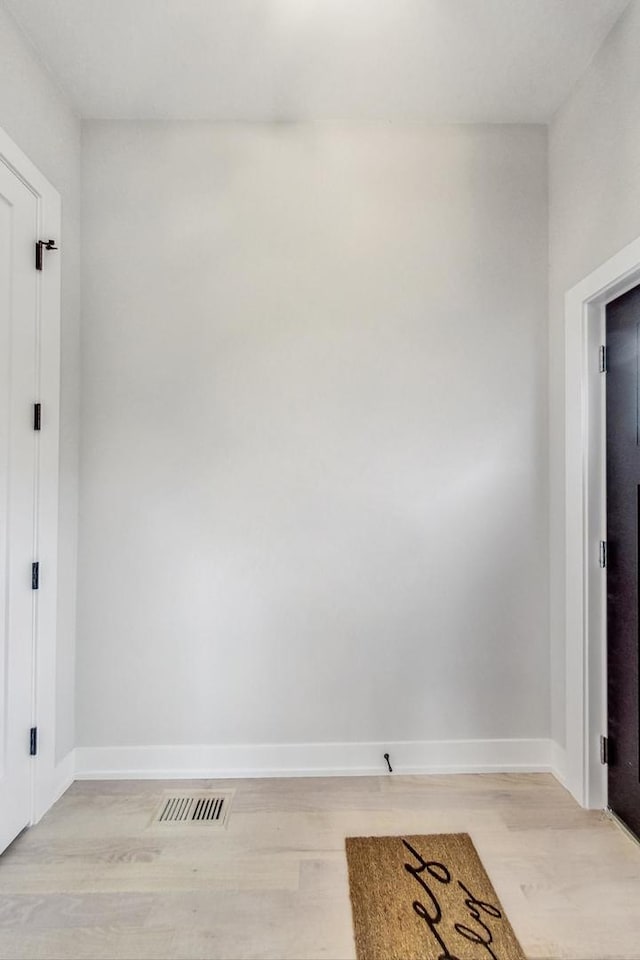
93, 881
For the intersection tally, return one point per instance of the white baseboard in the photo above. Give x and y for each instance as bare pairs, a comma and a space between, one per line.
63, 775
312, 759
559, 763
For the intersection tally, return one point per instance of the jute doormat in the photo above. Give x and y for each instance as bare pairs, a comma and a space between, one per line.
425, 898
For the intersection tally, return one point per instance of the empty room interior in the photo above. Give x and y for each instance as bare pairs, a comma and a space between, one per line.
320, 479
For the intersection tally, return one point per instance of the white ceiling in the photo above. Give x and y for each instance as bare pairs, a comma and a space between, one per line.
281, 60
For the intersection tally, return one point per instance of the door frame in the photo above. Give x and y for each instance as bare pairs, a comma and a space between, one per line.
47, 777
585, 522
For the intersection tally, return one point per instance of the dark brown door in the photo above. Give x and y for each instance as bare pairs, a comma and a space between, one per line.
623, 544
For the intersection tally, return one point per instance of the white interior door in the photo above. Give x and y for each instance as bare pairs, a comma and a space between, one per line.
18, 333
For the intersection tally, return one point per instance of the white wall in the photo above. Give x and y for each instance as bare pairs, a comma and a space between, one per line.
594, 188
317, 339
313, 454
37, 118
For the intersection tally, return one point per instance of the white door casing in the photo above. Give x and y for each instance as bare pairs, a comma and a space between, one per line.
18, 322
585, 499
29, 373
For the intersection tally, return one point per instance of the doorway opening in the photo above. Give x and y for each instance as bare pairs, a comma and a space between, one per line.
620, 556
585, 522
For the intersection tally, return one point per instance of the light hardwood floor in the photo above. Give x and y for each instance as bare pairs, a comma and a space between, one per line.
92, 880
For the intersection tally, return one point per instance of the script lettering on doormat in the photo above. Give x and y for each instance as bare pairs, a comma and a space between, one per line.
432, 914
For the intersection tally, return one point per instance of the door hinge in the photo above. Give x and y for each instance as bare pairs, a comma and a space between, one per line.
604, 750
40, 246
602, 555
37, 416
603, 359
33, 742
35, 576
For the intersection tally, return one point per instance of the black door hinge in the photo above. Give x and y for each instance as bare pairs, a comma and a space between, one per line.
40, 246
604, 750
603, 359
602, 554
35, 576
37, 416
33, 742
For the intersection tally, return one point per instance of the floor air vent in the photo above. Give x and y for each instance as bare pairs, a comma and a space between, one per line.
194, 807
